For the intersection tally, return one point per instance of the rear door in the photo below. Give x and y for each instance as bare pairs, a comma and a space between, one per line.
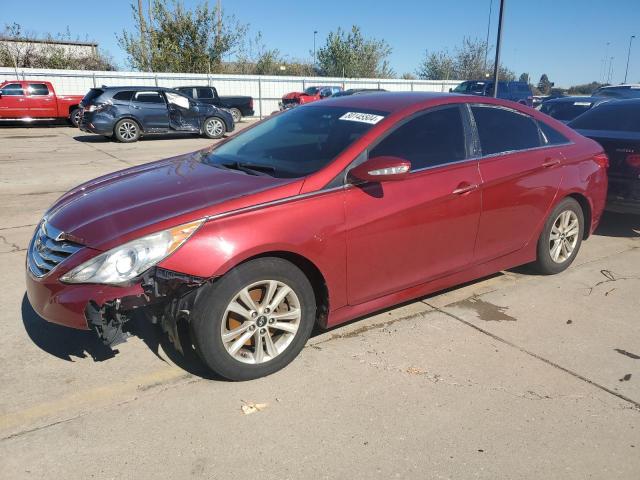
41, 102
150, 108
13, 101
404, 233
520, 178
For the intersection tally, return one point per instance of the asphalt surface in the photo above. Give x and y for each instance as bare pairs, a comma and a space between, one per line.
513, 376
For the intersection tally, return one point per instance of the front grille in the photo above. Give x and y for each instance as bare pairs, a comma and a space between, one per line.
290, 101
48, 249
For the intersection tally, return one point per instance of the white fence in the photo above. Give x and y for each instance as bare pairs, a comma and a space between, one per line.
265, 90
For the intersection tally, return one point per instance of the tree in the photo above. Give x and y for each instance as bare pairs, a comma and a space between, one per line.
176, 39
255, 58
544, 85
585, 89
31, 52
350, 54
408, 76
467, 63
524, 77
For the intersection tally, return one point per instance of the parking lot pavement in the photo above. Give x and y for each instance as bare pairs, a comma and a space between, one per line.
512, 376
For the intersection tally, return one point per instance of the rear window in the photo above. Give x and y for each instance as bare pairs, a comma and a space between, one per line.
12, 89
38, 89
92, 95
551, 135
124, 96
614, 116
622, 92
205, 93
565, 110
501, 130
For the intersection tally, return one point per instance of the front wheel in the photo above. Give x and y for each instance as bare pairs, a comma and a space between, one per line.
254, 320
213, 128
561, 237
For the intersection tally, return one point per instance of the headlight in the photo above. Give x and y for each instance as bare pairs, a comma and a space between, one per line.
123, 263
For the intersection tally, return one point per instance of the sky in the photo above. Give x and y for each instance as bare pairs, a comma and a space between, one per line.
566, 39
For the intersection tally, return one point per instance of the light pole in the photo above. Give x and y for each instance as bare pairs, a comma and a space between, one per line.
496, 67
628, 55
486, 44
610, 70
315, 32
604, 63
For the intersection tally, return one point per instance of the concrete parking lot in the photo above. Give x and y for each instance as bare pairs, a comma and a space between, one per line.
512, 376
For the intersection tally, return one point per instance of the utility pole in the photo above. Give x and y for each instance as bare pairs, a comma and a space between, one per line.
604, 63
496, 67
315, 32
628, 55
610, 70
486, 44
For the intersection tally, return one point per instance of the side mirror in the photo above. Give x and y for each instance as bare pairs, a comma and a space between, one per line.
381, 169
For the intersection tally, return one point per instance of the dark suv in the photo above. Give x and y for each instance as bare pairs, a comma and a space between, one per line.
618, 91
127, 113
519, 92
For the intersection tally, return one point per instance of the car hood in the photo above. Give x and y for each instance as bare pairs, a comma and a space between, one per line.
151, 197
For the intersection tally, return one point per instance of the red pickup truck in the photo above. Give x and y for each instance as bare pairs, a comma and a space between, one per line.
30, 100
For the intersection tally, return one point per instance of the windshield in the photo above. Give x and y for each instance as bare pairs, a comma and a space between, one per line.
470, 87
298, 142
92, 95
565, 110
311, 90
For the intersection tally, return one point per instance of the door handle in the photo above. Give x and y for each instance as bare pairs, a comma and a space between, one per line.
464, 188
550, 162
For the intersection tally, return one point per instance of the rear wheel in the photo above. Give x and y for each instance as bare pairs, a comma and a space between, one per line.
254, 320
127, 131
236, 114
213, 127
74, 117
561, 237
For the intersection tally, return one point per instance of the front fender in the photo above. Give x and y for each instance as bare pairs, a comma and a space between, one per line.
310, 226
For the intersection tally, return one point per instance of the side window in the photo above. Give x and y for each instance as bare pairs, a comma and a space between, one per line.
551, 135
205, 93
12, 89
125, 96
501, 130
38, 89
434, 138
149, 97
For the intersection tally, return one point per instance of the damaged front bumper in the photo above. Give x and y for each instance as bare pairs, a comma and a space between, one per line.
164, 295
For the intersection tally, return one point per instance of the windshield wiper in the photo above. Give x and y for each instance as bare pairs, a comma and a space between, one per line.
250, 168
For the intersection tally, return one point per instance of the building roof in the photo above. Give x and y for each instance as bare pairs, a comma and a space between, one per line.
51, 41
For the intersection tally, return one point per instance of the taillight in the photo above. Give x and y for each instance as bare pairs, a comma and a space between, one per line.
251, 103
602, 160
634, 160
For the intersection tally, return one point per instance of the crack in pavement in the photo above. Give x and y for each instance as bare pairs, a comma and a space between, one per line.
635, 404
14, 246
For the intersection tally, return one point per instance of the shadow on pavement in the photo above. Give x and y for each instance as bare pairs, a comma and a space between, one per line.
619, 225
89, 138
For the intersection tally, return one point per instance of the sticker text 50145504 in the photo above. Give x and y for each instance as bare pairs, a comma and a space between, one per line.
362, 117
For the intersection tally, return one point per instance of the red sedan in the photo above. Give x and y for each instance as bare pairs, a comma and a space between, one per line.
320, 214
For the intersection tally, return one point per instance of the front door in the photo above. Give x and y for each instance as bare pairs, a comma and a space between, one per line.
40, 101
521, 177
404, 233
150, 109
13, 101
183, 113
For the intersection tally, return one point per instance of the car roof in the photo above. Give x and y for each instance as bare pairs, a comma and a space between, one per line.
146, 88
576, 98
626, 86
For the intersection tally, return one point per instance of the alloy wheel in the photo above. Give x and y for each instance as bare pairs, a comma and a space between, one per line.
214, 127
128, 130
261, 321
564, 236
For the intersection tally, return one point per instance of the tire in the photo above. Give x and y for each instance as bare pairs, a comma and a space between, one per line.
236, 114
126, 131
74, 117
213, 127
552, 256
211, 318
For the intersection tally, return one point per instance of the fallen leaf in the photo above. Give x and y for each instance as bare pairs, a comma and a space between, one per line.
249, 408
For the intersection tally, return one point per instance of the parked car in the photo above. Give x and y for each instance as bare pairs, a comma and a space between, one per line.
618, 91
518, 92
357, 91
566, 109
616, 126
310, 94
127, 113
239, 106
320, 214
30, 100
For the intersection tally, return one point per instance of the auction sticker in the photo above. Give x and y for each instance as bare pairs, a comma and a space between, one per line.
362, 117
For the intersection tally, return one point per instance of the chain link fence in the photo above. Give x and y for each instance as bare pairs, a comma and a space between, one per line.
265, 90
